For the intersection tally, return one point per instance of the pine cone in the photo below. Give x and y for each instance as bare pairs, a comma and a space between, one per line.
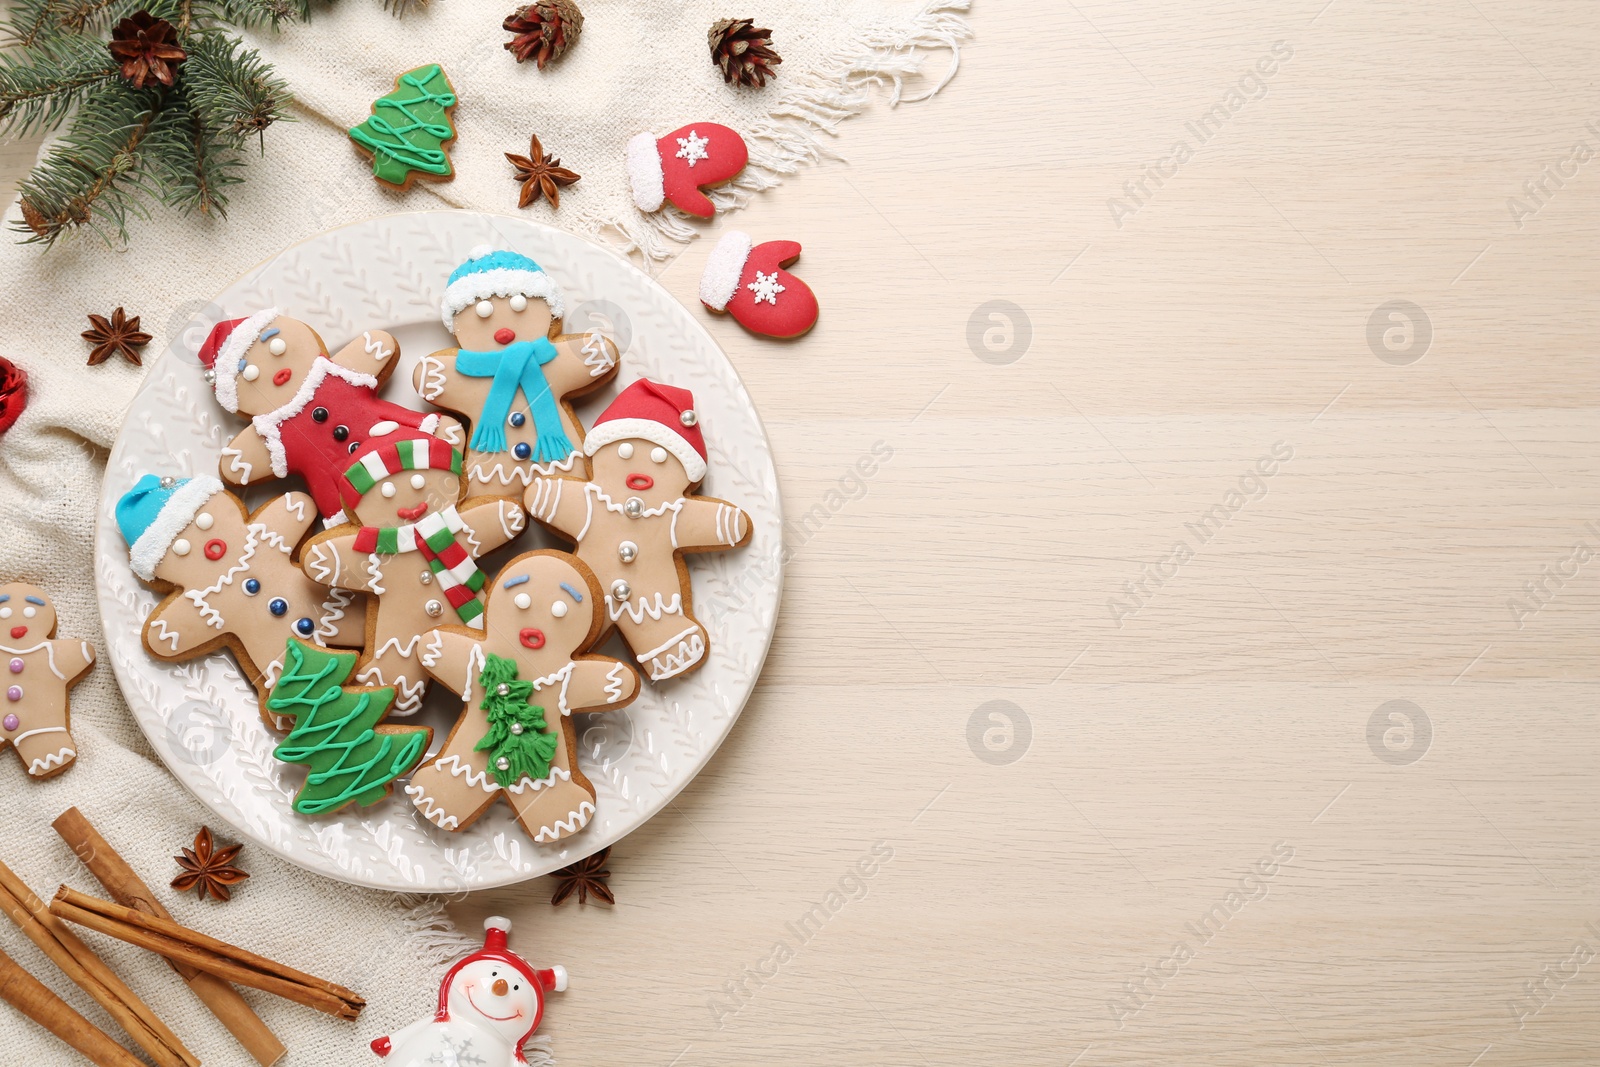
544, 30
743, 51
147, 48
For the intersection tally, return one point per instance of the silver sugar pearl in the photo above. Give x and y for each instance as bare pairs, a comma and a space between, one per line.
433, 608
427, 578
210, 376
620, 590
627, 551
517, 728
502, 690
689, 418
168, 481
502, 764
633, 507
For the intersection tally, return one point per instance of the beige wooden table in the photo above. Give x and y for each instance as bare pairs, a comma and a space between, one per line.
1114, 706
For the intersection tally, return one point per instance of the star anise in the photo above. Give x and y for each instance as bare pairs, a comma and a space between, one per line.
147, 48
209, 868
540, 173
117, 335
584, 877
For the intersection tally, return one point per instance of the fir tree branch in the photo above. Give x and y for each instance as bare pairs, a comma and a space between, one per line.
31, 21
91, 176
231, 87
39, 86
251, 14
189, 162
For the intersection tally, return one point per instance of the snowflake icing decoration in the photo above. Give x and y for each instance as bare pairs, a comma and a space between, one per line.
766, 287
693, 148
456, 1055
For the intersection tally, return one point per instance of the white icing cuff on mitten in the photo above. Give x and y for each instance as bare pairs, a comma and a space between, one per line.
179, 511
720, 280
644, 172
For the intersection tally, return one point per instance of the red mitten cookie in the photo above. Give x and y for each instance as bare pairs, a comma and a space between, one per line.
750, 284
679, 165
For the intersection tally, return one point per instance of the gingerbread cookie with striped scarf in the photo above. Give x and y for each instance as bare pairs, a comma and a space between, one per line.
414, 547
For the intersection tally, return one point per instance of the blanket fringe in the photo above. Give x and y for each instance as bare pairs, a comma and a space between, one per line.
791, 139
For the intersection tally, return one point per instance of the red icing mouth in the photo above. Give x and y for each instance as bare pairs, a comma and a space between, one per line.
412, 514
504, 336
22, 631
640, 481
531, 638
282, 377
215, 548
497, 1018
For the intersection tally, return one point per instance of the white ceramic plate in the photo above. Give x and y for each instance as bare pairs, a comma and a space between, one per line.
389, 273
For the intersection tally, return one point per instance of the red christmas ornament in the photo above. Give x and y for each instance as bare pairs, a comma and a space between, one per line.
13, 393
679, 165
748, 282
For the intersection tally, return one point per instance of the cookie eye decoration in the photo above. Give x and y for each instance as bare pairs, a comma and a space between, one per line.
659, 455
484, 309
523, 601
181, 547
418, 481
388, 489
625, 450
5, 613
277, 346
29, 612
559, 609
204, 520
250, 373
519, 303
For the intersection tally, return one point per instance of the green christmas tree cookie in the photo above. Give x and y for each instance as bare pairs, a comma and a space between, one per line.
337, 731
409, 129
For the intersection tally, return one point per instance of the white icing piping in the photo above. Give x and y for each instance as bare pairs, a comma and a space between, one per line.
146, 553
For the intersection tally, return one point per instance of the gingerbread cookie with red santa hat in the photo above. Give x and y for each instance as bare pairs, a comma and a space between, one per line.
676, 167
749, 282
635, 519
490, 1004
309, 411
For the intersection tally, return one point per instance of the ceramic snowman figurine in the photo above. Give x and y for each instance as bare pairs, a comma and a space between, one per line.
489, 1006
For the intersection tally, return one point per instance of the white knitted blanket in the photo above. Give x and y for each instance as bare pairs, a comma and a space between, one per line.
639, 66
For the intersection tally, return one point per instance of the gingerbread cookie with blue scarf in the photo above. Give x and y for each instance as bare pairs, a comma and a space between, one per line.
414, 547
514, 373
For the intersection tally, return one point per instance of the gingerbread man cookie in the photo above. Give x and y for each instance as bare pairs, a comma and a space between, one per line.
521, 678
515, 372
634, 520
309, 411
230, 576
37, 720
414, 547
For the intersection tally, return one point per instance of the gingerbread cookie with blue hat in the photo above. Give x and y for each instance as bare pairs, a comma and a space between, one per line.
41, 671
309, 411
230, 576
414, 546
514, 373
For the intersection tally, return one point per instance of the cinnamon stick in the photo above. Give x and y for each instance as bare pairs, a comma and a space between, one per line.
208, 954
90, 973
30, 996
125, 887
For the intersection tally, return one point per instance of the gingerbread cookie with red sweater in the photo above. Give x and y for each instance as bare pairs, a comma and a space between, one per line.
515, 373
635, 519
521, 678
37, 720
309, 411
414, 547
